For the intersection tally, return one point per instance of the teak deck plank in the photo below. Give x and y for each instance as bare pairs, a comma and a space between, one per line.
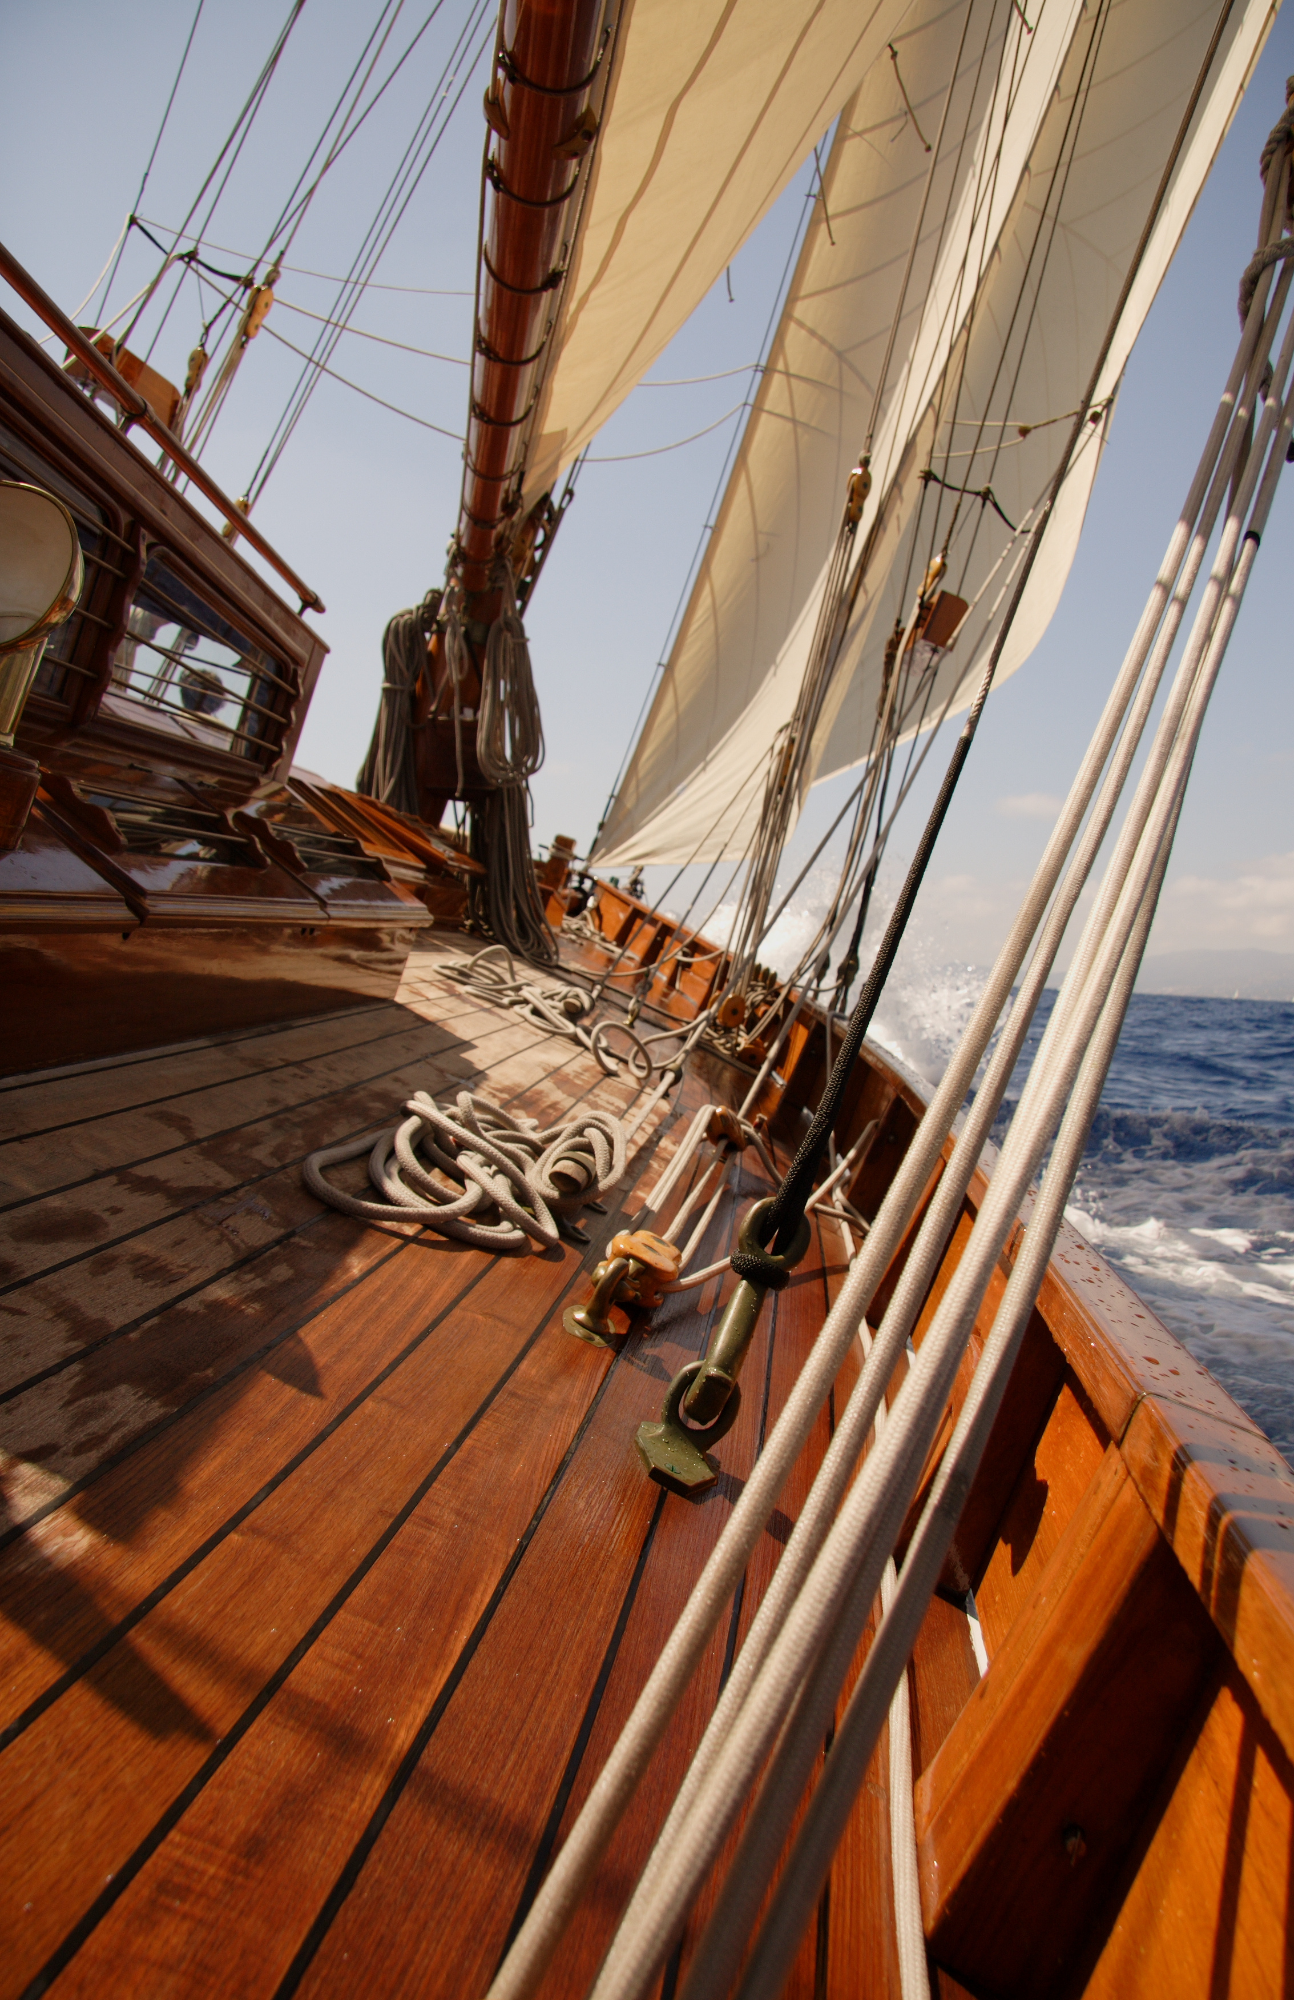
135, 1279
210, 1645
116, 1207
50, 1102
194, 1111
471, 1848
331, 1573
320, 1754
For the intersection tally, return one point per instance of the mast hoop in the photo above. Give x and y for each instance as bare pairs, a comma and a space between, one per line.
494, 176
483, 416
488, 353
550, 283
507, 63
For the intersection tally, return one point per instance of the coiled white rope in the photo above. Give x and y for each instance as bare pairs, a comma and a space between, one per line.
557, 1006
804, 1636
479, 1173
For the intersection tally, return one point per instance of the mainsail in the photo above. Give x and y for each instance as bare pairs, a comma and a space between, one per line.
949, 301
711, 109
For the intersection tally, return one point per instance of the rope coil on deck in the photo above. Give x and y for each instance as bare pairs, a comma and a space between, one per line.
559, 1007
516, 1177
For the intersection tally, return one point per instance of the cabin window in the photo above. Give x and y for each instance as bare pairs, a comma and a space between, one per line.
74, 653
181, 665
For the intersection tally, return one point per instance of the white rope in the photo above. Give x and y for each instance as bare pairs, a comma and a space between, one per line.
833, 1601
559, 1007
521, 1175
874, 1510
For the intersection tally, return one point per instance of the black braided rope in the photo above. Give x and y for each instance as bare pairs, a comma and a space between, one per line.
787, 1210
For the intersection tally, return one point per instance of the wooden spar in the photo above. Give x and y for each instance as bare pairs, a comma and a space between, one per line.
140, 412
545, 70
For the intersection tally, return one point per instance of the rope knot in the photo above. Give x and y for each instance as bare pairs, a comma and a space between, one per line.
770, 1268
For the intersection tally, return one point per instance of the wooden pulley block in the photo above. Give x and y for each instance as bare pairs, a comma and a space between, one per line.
732, 1011
654, 1263
725, 1128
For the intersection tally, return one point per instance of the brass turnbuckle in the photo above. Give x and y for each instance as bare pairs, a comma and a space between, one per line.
703, 1400
637, 1267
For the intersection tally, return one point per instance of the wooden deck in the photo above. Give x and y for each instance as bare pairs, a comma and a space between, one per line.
329, 1567
330, 1572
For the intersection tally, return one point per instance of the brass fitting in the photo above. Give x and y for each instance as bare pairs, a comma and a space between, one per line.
634, 1273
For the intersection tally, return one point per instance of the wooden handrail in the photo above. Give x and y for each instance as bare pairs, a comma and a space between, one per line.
141, 412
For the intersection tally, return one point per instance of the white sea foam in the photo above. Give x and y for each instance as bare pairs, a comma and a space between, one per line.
927, 1000
1195, 1206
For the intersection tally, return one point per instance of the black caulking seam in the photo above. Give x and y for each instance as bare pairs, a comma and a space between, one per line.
216, 1083
548, 1838
176, 1576
212, 1277
125, 1875
147, 1436
363, 1847
207, 1200
132, 1059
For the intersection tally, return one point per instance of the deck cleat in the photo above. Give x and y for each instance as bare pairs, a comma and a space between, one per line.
672, 1449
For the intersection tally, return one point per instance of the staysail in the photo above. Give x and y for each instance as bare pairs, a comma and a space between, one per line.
988, 182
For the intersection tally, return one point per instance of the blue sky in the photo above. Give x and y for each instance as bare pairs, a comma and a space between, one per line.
363, 501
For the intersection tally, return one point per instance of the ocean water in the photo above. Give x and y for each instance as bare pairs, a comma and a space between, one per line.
1187, 1184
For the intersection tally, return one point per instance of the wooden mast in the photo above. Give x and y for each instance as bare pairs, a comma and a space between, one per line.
542, 124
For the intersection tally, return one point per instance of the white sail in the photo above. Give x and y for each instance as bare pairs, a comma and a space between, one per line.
713, 105
1054, 140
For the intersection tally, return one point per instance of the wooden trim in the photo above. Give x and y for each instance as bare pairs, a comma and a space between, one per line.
140, 411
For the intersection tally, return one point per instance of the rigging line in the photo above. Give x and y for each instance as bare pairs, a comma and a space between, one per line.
251, 113
308, 382
916, 233
986, 178
889, 493
621, 457
898, 78
681, 946
287, 212
191, 258
242, 124
822, 196
1002, 90
839, 916
1057, 186
929, 477
709, 519
382, 339
346, 383
299, 270
1026, 431
139, 194
404, 178
1070, 140
1007, 84
723, 375
796, 1185
681, 871
985, 173
400, 191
